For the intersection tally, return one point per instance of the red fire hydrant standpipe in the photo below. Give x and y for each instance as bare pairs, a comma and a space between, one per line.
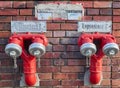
103, 44
18, 42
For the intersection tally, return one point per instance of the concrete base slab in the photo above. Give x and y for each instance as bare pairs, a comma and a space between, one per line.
87, 80
23, 84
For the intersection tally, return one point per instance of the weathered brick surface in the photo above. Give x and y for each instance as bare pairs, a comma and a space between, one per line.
62, 66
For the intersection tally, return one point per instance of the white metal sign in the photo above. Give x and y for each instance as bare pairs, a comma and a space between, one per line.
51, 11
95, 26
28, 26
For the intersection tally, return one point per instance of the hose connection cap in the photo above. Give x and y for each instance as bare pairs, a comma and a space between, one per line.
13, 50
36, 49
88, 49
110, 49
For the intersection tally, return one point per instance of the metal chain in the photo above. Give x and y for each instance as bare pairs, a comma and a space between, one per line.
38, 62
14, 72
87, 62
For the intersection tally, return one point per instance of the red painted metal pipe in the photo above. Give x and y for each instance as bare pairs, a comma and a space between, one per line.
96, 59
29, 61
29, 68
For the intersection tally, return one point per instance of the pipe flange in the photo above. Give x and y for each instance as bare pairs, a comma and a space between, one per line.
13, 49
37, 49
110, 49
88, 49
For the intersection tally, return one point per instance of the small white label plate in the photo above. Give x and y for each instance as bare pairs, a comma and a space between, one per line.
64, 11
28, 26
45, 16
74, 16
95, 26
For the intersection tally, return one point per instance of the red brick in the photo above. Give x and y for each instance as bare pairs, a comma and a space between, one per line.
5, 34
18, 18
106, 75
69, 26
9, 12
59, 34
106, 68
6, 63
5, 18
49, 47
58, 48
106, 11
52, 55
105, 82
5, 4
19, 4
116, 18
87, 4
92, 11
6, 76
116, 33
53, 40
87, 18
6, 83
50, 83
72, 69
116, 69
76, 62
45, 62
48, 34
118, 40
59, 62
56, 55
116, 4
116, 82
71, 55
106, 62
53, 26
116, 11
72, 34
118, 54
5, 26
25, 11
68, 40
116, 26
102, 18
2, 48
31, 18
115, 75
115, 62
48, 55
72, 48
30, 4
45, 76
49, 69
102, 4
72, 82
64, 76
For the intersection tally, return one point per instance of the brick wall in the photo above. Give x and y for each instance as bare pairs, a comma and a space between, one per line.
62, 66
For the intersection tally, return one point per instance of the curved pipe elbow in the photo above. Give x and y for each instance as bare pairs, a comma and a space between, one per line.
30, 79
95, 77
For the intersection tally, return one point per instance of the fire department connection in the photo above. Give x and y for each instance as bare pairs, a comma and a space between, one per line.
95, 46
29, 47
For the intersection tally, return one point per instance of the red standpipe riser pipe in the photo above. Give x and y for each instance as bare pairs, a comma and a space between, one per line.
95, 69
96, 59
29, 68
96, 62
29, 61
